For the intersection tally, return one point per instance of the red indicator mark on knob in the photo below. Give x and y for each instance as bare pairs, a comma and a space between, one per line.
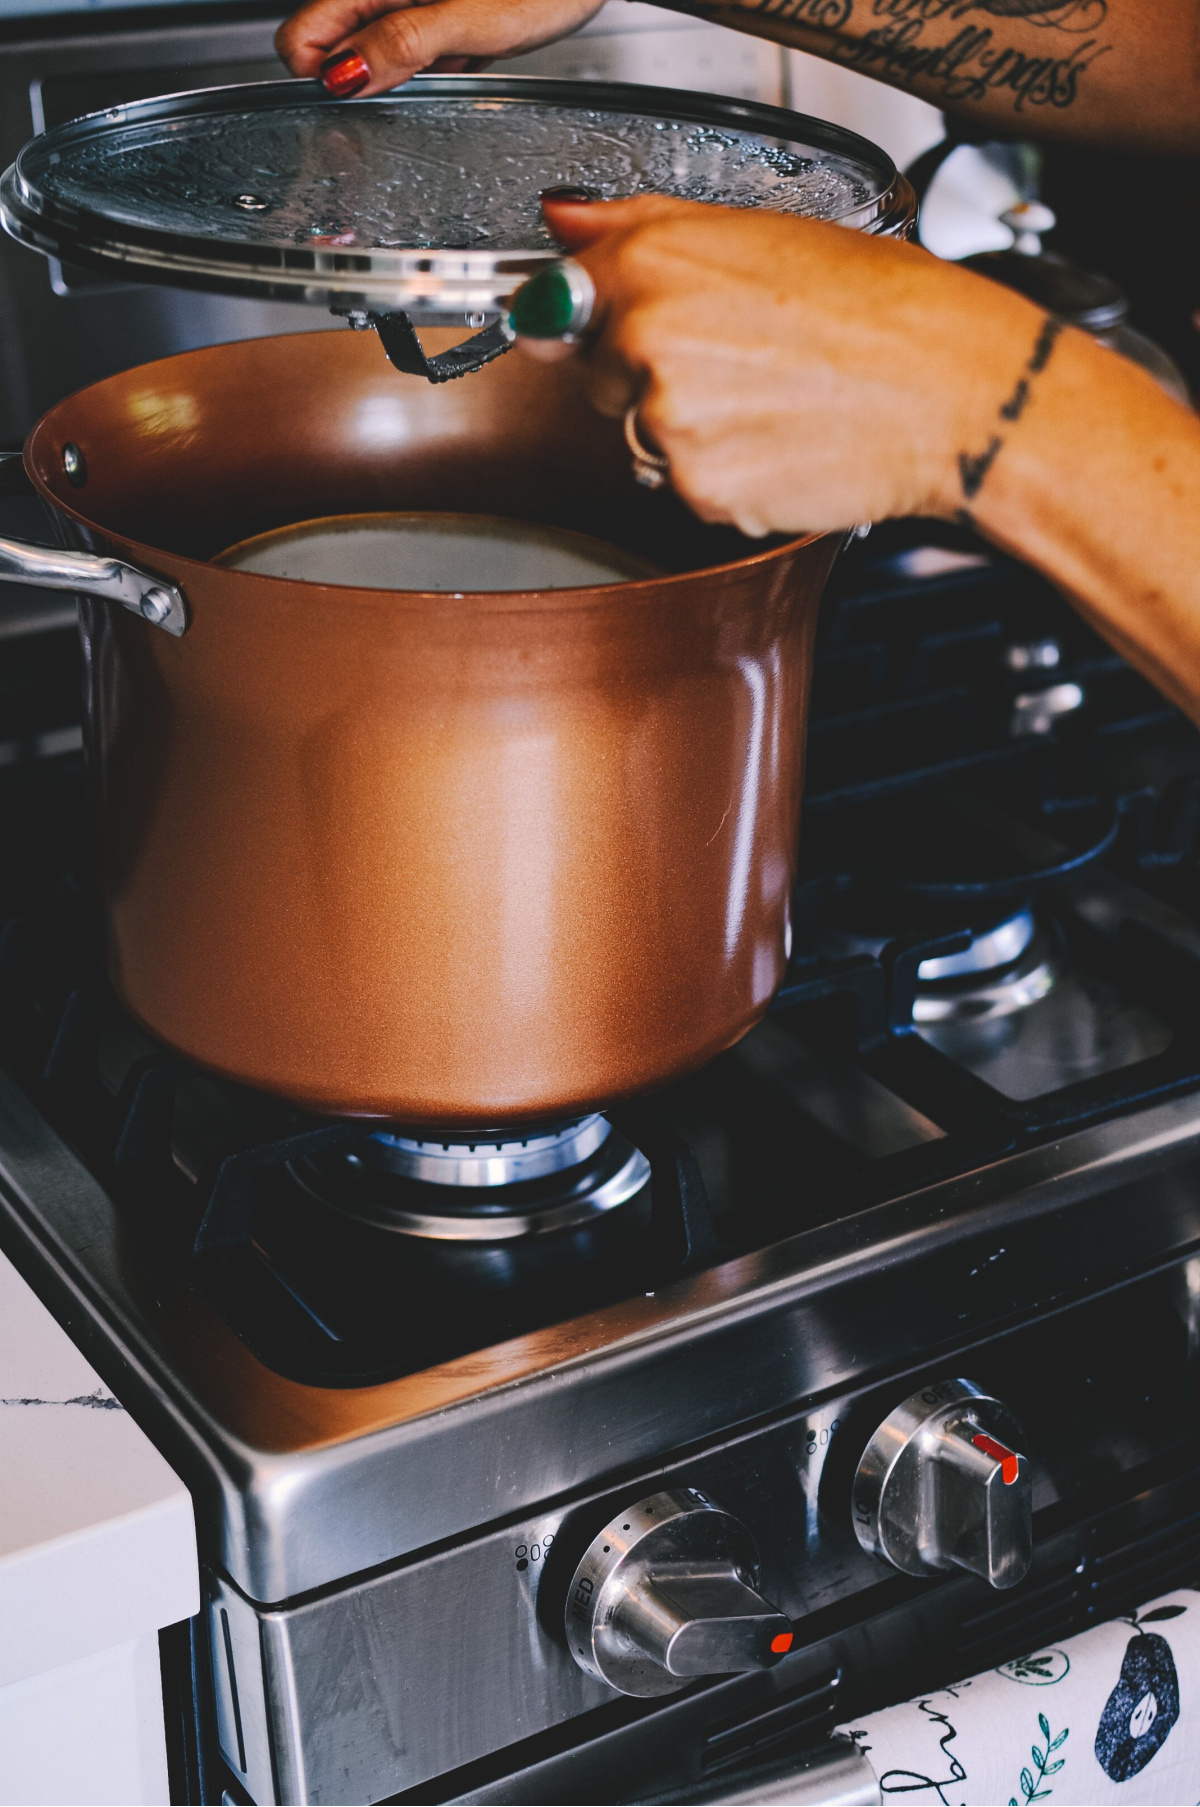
1010, 1464
782, 1644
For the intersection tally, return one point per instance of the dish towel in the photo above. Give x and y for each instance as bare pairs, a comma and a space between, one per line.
1112, 1715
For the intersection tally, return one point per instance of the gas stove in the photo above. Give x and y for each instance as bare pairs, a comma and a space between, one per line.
461, 1413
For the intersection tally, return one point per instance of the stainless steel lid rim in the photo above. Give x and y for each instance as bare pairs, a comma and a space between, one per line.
647, 97
118, 262
25, 205
445, 280
682, 104
485, 282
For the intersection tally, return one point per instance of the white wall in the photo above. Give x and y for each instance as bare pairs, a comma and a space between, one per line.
903, 125
631, 42
628, 41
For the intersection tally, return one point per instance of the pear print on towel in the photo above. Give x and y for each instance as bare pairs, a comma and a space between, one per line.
1144, 1705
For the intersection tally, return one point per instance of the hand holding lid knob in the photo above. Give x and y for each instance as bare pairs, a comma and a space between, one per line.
942, 1485
666, 1593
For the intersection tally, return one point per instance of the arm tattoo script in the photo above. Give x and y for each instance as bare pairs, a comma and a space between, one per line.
973, 467
970, 65
834, 15
892, 39
1062, 15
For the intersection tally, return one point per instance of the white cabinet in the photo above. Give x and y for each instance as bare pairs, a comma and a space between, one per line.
97, 1553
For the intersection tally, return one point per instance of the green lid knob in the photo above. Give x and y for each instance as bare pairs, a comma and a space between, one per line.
554, 304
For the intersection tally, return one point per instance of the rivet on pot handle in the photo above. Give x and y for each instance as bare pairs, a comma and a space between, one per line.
47, 568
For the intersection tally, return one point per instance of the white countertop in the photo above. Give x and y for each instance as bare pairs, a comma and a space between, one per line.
97, 1539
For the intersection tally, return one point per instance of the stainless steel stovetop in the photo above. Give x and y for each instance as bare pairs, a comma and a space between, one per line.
964, 1145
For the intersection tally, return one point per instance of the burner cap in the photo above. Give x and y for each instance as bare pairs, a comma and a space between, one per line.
486, 1161
1002, 970
581, 1172
987, 950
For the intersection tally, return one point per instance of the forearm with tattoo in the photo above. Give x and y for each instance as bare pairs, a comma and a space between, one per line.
971, 64
1036, 58
904, 41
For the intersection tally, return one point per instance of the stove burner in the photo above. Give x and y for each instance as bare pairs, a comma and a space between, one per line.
499, 1190
1004, 969
499, 1161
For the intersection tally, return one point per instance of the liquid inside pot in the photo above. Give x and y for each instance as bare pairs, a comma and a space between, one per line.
426, 551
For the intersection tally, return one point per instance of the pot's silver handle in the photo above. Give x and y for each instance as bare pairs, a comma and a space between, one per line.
46, 568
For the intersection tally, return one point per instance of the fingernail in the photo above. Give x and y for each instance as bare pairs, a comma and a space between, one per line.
344, 74
566, 193
554, 304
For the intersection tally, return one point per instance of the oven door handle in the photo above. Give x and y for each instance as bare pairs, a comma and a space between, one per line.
155, 599
833, 1774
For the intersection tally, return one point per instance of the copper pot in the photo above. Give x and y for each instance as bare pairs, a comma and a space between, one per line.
454, 862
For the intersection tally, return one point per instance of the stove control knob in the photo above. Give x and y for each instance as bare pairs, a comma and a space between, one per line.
942, 1485
667, 1592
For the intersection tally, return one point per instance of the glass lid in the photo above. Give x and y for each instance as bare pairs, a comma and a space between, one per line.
424, 199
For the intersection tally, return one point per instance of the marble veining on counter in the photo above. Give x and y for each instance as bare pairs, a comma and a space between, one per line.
99, 1401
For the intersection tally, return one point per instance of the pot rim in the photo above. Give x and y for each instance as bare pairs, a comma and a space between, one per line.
549, 599
183, 566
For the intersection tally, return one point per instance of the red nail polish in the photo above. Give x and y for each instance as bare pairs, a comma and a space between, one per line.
344, 74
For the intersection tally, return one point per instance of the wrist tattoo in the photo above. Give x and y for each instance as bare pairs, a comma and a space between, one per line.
973, 467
